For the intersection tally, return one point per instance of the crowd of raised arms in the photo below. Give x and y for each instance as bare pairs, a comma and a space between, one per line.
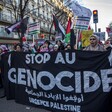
47, 46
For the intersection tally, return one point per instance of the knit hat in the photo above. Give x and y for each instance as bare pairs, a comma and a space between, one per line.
3, 48
97, 37
56, 46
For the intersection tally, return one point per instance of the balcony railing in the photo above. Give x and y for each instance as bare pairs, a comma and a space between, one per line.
6, 18
4, 34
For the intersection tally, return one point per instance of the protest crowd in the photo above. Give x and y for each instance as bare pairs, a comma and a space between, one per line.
59, 45
47, 46
67, 68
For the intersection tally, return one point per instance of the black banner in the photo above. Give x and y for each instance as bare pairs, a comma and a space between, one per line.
71, 81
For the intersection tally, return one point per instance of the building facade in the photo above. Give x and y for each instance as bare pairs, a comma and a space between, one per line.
37, 10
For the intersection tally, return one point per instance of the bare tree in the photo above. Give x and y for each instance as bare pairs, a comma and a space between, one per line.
19, 10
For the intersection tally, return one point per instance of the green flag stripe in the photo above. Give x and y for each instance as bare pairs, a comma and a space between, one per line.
67, 38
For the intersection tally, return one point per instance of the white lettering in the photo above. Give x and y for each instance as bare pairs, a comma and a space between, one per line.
91, 81
68, 58
27, 58
59, 79
39, 58
31, 78
106, 80
77, 82
49, 76
21, 78
59, 58
10, 73
96, 84
46, 57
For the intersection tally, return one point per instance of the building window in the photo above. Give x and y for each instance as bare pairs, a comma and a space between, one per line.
9, 15
8, 1
1, 29
34, 20
44, 24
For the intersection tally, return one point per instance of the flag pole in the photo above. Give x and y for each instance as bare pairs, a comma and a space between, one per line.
33, 40
26, 40
76, 33
77, 37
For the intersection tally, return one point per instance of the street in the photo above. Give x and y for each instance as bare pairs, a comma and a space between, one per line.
12, 106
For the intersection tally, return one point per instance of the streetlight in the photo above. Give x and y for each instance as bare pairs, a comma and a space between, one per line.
95, 18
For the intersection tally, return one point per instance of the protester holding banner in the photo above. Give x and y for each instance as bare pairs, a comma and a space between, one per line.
75, 47
2, 93
94, 44
45, 46
60, 44
108, 44
18, 47
72, 81
68, 47
3, 49
1, 85
55, 48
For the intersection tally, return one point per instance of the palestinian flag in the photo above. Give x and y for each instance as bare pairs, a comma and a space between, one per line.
89, 27
58, 27
72, 38
68, 31
79, 47
18, 25
13, 27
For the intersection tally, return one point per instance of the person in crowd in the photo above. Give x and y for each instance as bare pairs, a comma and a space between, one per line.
94, 44
3, 49
45, 46
75, 47
68, 47
108, 44
56, 47
32, 48
51, 47
26, 47
37, 47
60, 45
18, 47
